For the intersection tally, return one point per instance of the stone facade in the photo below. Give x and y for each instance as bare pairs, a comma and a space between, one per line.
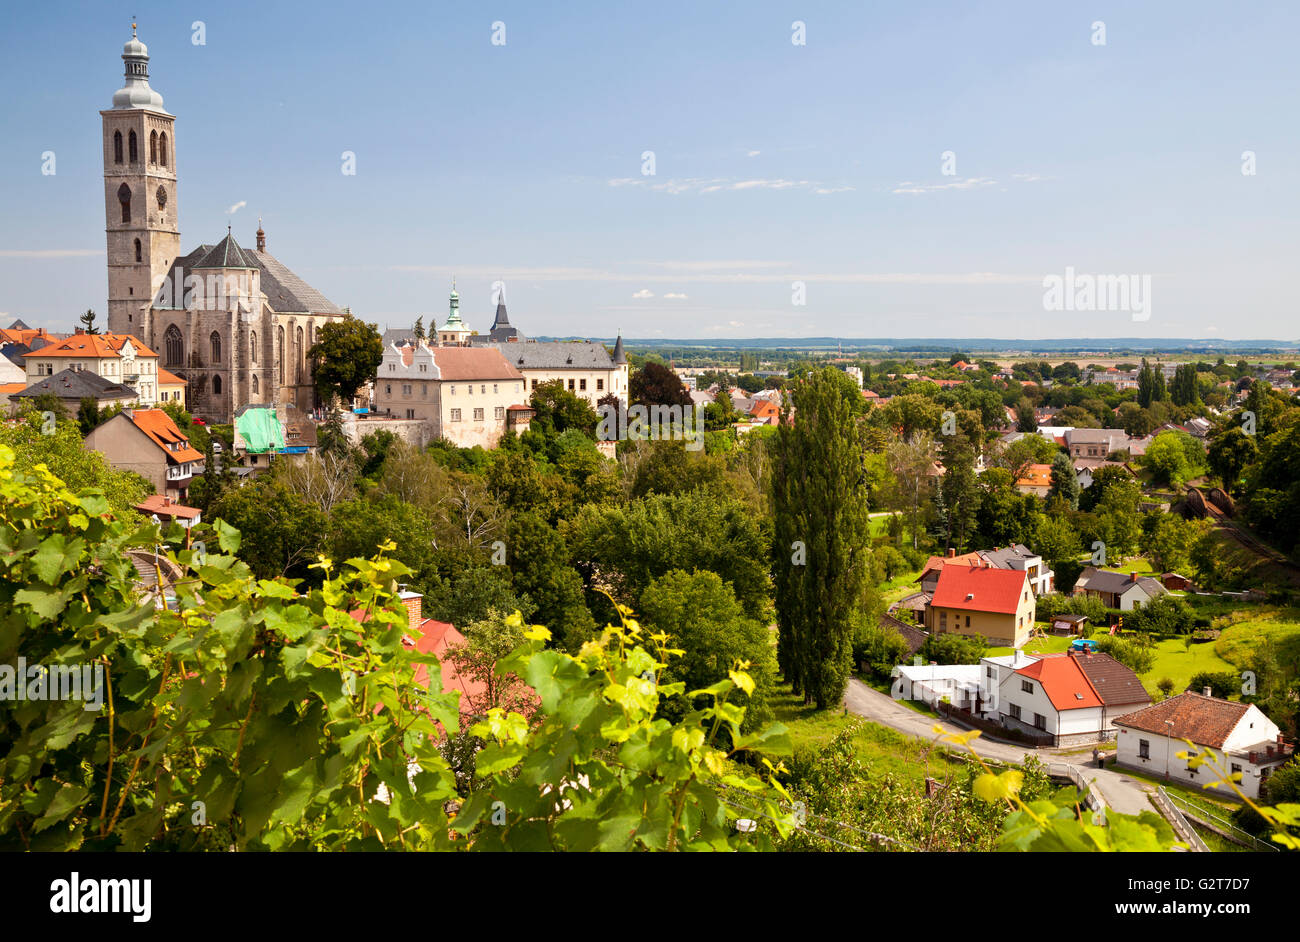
234, 324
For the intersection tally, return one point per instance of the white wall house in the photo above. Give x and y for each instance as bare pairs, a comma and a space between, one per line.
1238, 735
1072, 698
958, 684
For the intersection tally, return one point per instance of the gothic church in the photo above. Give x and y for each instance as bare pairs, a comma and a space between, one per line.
234, 323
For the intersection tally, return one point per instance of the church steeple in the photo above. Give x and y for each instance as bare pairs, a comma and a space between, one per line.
137, 93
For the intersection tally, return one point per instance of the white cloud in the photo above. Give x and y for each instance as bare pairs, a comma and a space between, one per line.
720, 184
644, 293
1028, 177
969, 183
735, 323
236, 208
675, 294
753, 153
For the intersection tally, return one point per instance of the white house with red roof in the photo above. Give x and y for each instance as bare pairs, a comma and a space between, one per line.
1240, 738
149, 443
1070, 697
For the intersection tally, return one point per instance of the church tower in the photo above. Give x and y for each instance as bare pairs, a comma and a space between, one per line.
140, 209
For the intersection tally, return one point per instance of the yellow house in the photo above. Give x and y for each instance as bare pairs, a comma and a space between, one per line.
978, 600
171, 388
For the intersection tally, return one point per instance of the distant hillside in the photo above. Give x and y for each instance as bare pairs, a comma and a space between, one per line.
972, 345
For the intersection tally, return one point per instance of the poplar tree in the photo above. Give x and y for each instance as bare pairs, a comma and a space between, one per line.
821, 546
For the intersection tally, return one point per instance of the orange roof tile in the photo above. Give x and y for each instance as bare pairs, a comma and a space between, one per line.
8, 389
92, 345
166, 378
1036, 475
1064, 682
165, 506
160, 428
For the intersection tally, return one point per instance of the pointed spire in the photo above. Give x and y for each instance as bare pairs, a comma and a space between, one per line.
620, 357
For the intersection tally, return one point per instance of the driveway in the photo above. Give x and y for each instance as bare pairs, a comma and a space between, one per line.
1124, 793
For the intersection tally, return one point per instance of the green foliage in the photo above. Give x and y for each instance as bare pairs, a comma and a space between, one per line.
557, 411
539, 563
1173, 458
61, 451
1134, 654
656, 384
1222, 684
627, 548
951, 648
288, 530
265, 718
345, 356
1065, 484
820, 551
701, 618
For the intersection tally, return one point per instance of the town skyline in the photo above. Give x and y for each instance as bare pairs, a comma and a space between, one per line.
489, 162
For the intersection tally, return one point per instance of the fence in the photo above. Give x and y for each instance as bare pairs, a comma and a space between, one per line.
1182, 827
1214, 822
997, 729
1093, 798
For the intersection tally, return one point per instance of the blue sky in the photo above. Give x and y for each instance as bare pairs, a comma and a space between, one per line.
774, 162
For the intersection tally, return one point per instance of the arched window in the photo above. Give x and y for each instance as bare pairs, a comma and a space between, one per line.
254, 384
153, 147
216, 385
216, 347
299, 358
132, 150
279, 352
252, 346
162, 148
137, 251
175, 346
124, 197
117, 147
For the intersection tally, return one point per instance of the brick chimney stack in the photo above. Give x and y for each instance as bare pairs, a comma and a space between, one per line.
1132, 577
414, 603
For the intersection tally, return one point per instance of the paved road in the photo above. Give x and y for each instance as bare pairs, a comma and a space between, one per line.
1124, 793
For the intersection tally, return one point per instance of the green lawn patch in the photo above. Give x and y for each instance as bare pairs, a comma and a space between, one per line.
1049, 644
1173, 659
1238, 644
883, 749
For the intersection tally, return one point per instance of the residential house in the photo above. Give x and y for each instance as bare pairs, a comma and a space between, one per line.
71, 386
1122, 590
463, 394
1069, 698
166, 510
1096, 442
956, 684
119, 358
1236, 736
1019, 556
586, 369
171, 388
1036, 479
148, 442
997, 604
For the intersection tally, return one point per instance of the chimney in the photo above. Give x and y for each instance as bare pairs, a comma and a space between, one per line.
80, 330
414, 603
1132, 577
951, 552
1205, 692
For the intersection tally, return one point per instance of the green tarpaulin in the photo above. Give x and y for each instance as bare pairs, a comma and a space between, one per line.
260, 430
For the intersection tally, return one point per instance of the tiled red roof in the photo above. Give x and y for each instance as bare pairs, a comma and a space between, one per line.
473, 363
435, 638
167, 378
1036, 475
980, 589
1063, 681
163, 506
91, 345
1206, 721
160, 428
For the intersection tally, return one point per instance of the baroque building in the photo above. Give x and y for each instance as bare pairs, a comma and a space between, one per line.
235, 324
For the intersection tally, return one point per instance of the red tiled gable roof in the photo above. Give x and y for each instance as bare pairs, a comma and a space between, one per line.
91, 345
1036, 475
1115, 683
978, 589
23, 335
8, 389
157, 504
435, 638
473, 363
1063, 681
936, 563
1206, 721
162, 431
166, 378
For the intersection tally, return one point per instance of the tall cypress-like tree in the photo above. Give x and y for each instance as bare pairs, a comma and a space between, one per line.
821, 546
1065, 484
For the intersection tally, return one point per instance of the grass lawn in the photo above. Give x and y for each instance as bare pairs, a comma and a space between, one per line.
881, 748
900, 587
1179, 663
1238, 643
1139, 564
879, 525
1049, 644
